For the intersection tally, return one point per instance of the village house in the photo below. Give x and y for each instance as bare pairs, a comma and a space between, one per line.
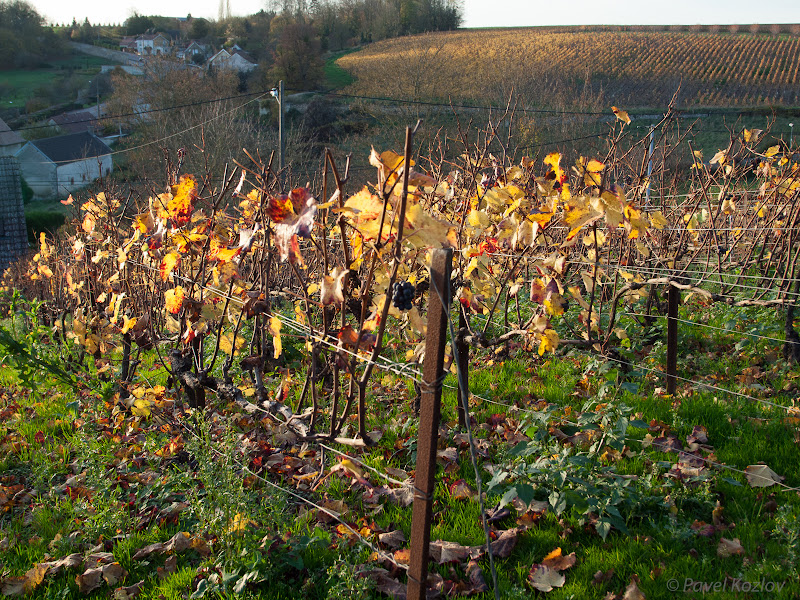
128, 44
10, 141
234, 59
152, 44
57, 166
194, 48
75, 122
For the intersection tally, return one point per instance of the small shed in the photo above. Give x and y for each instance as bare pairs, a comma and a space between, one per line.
57, 166
13, 235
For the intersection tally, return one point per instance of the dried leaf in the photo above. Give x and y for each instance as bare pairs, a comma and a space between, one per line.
728, 548
761, 476
555, 560
130, 592
544, 578
632, 592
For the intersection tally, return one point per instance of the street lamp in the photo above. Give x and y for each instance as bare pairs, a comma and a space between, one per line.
791, 134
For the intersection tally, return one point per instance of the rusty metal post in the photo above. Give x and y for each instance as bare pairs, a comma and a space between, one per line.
430, 411
462, 349
673, 299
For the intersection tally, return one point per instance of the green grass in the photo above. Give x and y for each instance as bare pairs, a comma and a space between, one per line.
24, 84
299, 557
335, 76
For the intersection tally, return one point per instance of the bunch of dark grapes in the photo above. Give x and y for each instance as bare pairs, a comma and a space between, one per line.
402, 295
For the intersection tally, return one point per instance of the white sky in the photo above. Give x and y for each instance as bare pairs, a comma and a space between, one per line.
478, 13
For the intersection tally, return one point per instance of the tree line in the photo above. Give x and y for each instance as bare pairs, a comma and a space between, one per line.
24, 41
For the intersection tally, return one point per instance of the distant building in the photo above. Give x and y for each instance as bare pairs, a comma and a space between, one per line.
234, 60
152, 44
128, 44
194, 48
57, 166
10, 141
75, 122
13, 235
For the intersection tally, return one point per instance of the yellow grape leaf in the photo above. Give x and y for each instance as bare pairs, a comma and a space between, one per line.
144, 222
772, 151
365, 213
658, 220
168, 263
89, 222
348, 465
728, 206
275, 329
127, 324
141, 407
555, 305
549, 341
226, 343
720, 158
621, 115
225, 255
173, 299
553, 160
239, 523
478, 219
751, 135
578, 215
180, 205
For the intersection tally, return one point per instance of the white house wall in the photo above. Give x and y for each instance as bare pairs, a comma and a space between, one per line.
76, 175
38, 171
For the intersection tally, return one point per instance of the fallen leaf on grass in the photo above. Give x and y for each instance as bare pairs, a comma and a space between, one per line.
98, 559
392, 539
169, 568
17, 586
544, 578
386, 585
402, 496
92, 579
476, 580
632, 592
505, 543
761, 476
728, 548
130, 592
559, 562
461, 491
180, 542
442, 552
333, 510
601, 577
403, 556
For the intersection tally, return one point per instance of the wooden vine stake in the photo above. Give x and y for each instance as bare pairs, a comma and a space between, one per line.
673, 299
430, 411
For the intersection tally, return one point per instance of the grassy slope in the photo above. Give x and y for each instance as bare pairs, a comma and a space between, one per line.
24, 83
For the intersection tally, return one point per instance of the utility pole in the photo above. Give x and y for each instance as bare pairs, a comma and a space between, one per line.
278, 94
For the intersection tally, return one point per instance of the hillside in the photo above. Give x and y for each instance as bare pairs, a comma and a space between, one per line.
569, 67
